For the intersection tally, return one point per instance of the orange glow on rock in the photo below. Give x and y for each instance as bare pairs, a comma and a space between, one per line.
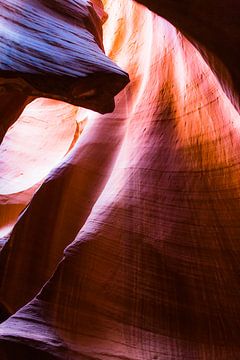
135, 254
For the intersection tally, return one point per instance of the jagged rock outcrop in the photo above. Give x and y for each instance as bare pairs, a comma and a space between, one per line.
147, 207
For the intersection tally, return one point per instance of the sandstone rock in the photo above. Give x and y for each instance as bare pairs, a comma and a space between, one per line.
148, 203
54, 49
213, 27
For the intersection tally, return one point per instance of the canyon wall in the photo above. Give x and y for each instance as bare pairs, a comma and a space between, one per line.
129, 245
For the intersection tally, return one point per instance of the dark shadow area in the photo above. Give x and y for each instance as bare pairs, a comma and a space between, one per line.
4, 313
17, 351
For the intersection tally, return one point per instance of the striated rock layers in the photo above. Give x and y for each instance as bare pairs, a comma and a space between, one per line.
130, 247
213, 27
54, 49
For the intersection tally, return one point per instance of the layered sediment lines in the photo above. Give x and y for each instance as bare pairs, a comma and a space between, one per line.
213, 27
36, 143
54, 50
147, 207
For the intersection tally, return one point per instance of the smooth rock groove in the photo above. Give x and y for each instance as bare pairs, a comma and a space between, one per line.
213, 27
146, 205
54, 49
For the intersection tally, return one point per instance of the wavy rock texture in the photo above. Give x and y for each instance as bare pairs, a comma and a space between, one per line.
213, 27
54, 49
48, 127
146, 205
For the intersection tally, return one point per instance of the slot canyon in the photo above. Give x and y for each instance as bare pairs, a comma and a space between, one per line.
119, 180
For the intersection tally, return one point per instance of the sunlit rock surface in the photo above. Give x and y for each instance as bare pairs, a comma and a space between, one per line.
54, 49
213, 27
42, 136
146, 205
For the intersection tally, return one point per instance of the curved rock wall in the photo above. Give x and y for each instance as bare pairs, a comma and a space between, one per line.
54, 49
213, 27
146, 205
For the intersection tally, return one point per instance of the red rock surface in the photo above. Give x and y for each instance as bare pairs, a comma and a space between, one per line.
135, 233
213, 27
54, 49
48, 127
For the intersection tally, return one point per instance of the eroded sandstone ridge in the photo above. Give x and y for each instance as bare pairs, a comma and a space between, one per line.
130, 247
54, 49
213, 27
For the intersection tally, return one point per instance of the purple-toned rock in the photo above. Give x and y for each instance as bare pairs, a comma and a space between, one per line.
54, 49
